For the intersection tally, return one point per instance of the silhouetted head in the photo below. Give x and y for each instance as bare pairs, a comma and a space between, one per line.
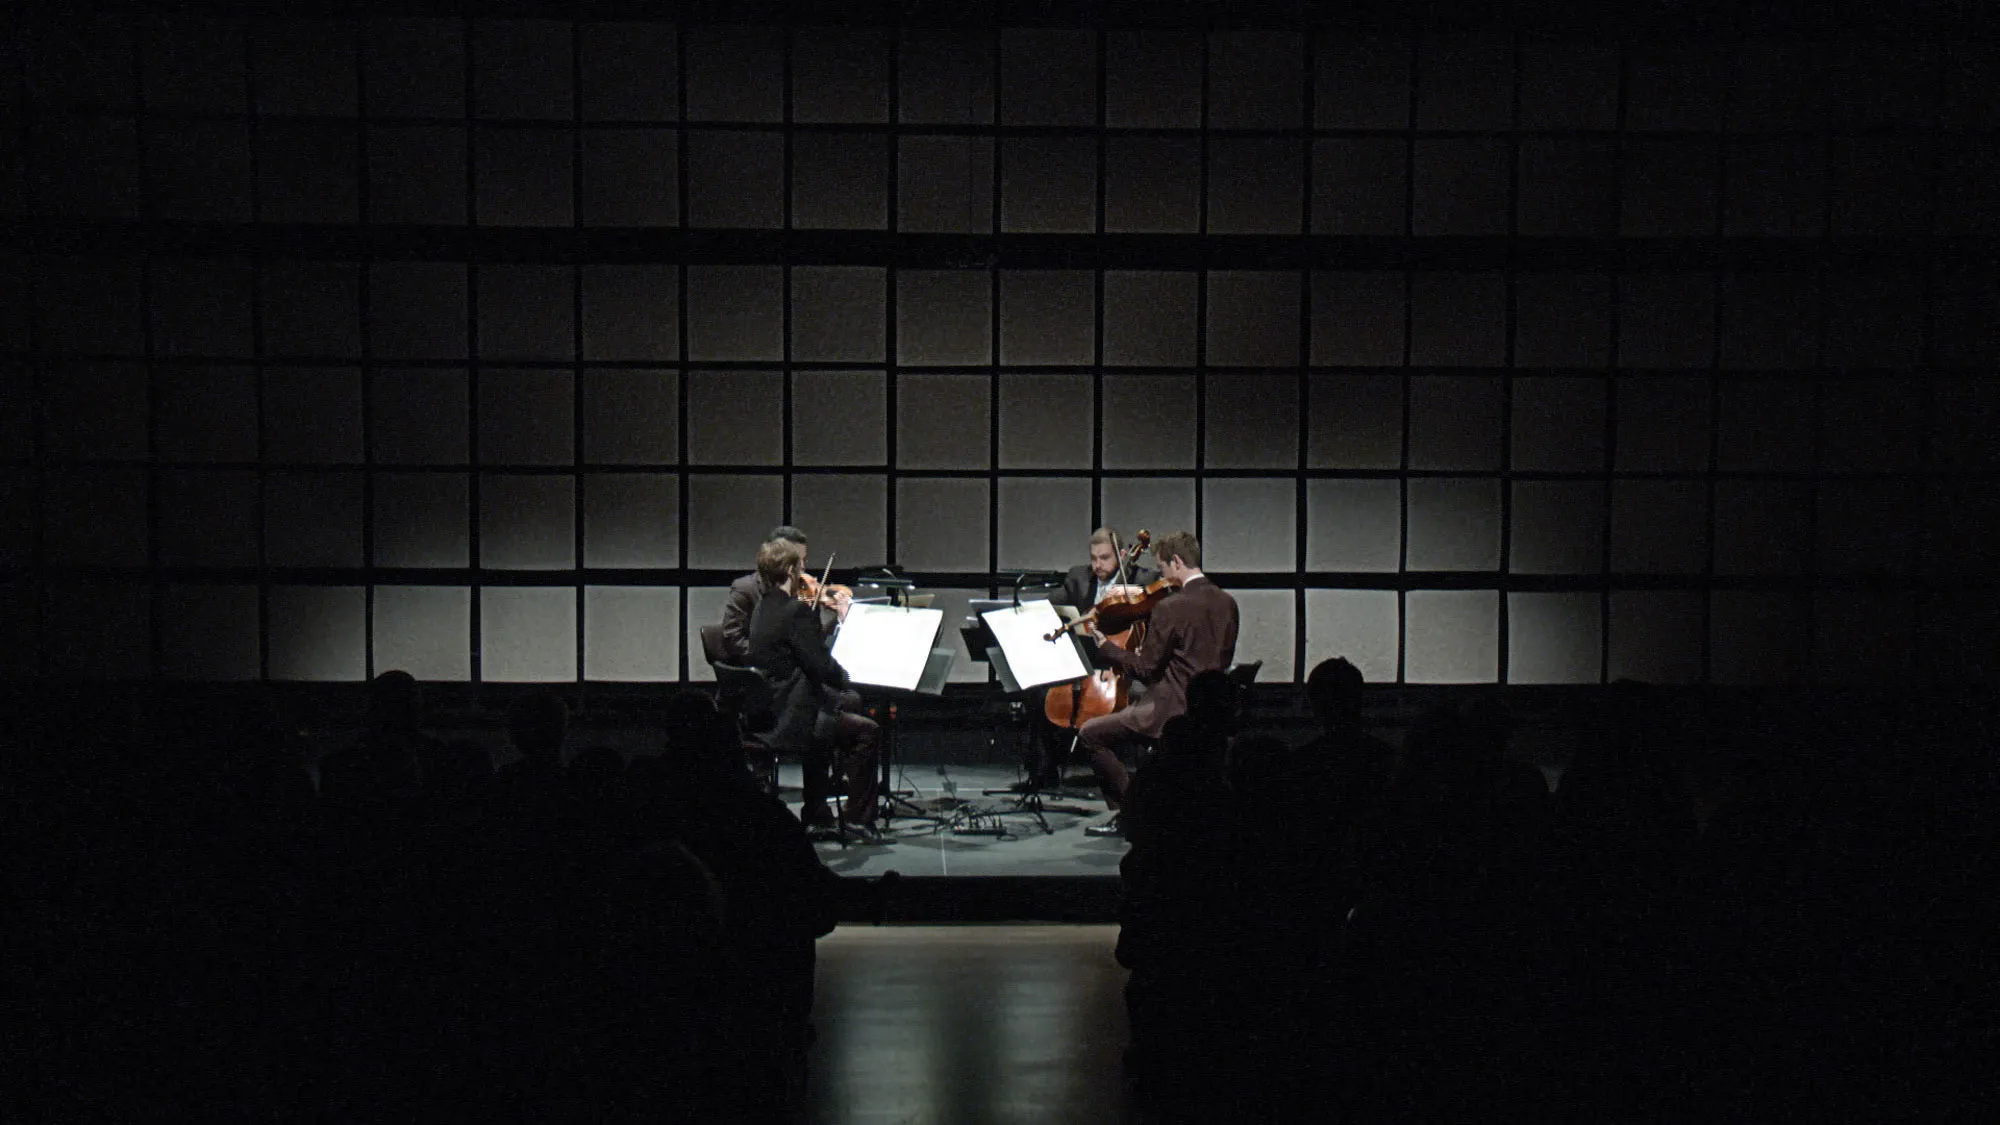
701, 745
1213, 700
461, 768
395, 702
1333, 690
537, 723
1489, 726
1255, 760
595, 771
1436, 759
698, 733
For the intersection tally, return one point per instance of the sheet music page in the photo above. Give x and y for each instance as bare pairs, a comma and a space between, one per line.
1035, 661
886, 646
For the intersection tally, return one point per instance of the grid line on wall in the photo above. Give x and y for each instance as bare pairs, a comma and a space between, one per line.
681, 437
789, 415
474, 273
1614, 380
579, 502
994, 399
255, 120
892, 372
364, 295
36, 588
1301, 489
1510, 323
1714, 453
1414, 72
1923, 611
155, 585
1098, 516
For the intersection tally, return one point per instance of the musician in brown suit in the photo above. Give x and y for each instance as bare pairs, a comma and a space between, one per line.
1193, 631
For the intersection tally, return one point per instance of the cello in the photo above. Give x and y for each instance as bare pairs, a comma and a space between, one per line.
1122, 618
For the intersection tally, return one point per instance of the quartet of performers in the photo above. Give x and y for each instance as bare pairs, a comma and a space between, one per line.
779, 622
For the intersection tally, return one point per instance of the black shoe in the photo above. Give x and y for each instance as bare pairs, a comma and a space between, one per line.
1110, 827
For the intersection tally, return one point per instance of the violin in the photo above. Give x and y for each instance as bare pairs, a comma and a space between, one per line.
817, 593
1120, 611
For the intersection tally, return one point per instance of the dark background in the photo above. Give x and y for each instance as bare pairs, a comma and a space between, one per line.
1481, 344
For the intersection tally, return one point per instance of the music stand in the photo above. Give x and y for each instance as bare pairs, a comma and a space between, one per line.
1025, 659
893, 648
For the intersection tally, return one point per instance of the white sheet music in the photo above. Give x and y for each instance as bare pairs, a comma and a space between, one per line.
886, 646
1035, 661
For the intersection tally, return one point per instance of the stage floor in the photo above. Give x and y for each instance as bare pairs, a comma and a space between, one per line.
946, 826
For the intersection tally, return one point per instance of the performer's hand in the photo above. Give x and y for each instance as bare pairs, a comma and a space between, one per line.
840, 600
1123, 591
1096, 635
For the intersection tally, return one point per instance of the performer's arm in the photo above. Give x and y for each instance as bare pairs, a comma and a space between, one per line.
1147, 664
811, 647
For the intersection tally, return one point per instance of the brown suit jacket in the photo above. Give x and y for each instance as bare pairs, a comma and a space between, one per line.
744, 594
1193, 631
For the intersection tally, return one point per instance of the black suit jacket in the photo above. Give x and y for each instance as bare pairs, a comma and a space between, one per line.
1080, 584
787, 647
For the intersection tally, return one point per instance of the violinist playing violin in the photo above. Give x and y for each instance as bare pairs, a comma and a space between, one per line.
745, 594
747, 591
1190, 632
789, 649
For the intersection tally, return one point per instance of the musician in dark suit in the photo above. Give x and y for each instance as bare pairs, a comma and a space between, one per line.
787, 647
1087, 583
1191, 632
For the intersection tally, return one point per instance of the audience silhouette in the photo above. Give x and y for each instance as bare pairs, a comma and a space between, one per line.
1732, 905
207, 933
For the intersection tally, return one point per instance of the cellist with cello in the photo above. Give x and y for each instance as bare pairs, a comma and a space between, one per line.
1113, 569
1190, 628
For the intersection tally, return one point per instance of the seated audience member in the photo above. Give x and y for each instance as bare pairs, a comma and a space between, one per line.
388, 760
537, 725
1181, 928
778, 897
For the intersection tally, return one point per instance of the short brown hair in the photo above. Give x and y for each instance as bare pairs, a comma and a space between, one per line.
778, 559
1180, 545
1107, 536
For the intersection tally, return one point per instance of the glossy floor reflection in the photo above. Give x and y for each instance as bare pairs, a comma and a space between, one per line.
968, 1025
